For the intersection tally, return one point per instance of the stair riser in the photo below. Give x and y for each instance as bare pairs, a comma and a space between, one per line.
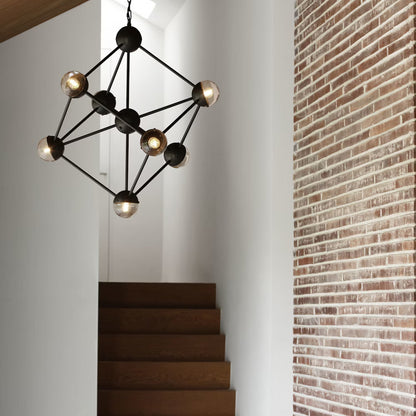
157, 295
163, 376
159, 321
166, 403
125, 347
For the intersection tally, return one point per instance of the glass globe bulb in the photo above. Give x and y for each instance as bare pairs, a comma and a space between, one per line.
74, 84
206, 93
125, 204
153, 142
50, 149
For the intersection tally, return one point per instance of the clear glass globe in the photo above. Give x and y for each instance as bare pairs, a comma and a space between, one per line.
74, 84
210, 91
125, 204
44, 150
50, 149
153, 142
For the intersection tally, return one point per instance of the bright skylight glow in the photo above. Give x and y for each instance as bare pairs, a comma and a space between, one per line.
143, 8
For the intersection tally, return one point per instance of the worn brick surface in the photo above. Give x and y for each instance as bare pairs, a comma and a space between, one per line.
354, 208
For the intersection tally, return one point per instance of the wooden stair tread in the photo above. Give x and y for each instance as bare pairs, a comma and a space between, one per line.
166, 403
139, 347
154, 321
165, 295
145, 375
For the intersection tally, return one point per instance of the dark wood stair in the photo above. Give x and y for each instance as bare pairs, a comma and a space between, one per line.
160, 351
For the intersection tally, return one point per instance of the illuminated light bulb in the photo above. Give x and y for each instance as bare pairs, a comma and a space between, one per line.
125, 207
50, 149
153, 142
74, 84
125, 204
176, 155
206, 93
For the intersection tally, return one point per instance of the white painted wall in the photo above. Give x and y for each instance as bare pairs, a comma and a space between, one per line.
131, 249
228, 215
48, 223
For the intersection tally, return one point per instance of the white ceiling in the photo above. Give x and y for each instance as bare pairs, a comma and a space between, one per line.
164, 12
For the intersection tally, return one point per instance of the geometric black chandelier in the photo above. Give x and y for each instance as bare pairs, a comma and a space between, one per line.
153, 142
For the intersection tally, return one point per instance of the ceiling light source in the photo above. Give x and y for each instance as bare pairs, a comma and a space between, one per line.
127, 121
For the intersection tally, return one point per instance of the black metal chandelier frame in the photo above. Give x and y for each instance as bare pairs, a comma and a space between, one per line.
153, 142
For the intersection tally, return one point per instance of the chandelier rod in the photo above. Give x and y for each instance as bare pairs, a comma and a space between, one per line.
139, 173
88, 175
115, 72
102, 61
179, 117
63, 117
126, 173
190, 123
90, 134
149, 113
166, 66
151, 179
79, 124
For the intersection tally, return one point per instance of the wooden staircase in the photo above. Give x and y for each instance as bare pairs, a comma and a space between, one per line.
160, 351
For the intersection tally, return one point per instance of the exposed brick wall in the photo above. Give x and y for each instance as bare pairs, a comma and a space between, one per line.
354, 164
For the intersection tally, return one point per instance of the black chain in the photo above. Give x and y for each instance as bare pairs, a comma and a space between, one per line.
129, 14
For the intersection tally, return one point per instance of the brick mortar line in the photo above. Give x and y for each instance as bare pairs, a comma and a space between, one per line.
369, 46
349, 249
372, 280
354, 396
353, 125
298, 239
358, 123
349, 315
385, 266
351, 113
369, 222
397, 139
334, 305
349, 238
348, 406
390, 266
352, 326
298, 41
398, 342
345, 360
299, 102
320, 410
355, 292
354, 203
356, 373
409, 60
368, 35
307, 15
354, 260
357, 350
